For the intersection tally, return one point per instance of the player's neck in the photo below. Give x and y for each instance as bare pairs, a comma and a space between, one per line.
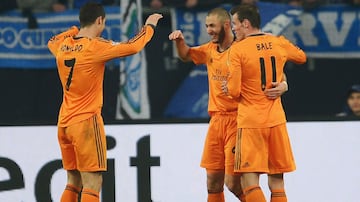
226, 43
88, 32
253, 32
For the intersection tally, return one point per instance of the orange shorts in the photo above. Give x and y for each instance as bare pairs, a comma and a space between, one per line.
264, 150
219, 148
83, 145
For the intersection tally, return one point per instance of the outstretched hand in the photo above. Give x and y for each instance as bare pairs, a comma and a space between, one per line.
177, 34
153, 19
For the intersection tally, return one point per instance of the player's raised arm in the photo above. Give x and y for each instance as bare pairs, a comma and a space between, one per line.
181, 46
107, 49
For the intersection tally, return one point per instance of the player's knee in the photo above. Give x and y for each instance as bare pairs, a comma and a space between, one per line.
92, 180
234, 187
232, 182
276, 181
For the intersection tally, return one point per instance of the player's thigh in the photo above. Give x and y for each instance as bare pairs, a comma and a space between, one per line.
229, 146
213, 151
251, 152
281, 157
67, 149
90, 144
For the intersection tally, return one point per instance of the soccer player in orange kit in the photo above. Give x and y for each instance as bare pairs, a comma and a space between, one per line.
218, 152
81, 56
262, 144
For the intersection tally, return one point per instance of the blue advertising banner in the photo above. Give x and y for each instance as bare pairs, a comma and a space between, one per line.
329, 31
21, 47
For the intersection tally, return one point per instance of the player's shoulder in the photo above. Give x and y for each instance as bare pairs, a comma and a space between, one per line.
237, 44
102, 40
208, 44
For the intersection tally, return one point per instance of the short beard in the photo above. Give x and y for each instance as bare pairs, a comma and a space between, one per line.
221, 35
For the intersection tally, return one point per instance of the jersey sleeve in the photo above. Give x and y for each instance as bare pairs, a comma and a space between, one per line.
198, 54
235, 73
295, 54
56, 40
107, 49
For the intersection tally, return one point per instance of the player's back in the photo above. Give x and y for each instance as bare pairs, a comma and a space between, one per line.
261, 59
81, 74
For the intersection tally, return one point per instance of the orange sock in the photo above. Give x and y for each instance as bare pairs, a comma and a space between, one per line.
70, 194
88, 195
254, 194
216, 197
278, 195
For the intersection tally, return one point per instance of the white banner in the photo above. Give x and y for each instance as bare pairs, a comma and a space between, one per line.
132, 100
160, 163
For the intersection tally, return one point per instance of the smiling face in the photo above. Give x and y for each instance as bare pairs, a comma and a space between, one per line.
215, 28
354, 103
238, 27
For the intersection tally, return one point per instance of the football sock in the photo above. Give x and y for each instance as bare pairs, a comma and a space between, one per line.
88, 195
254, 194
216, 197
278, 195
70, 194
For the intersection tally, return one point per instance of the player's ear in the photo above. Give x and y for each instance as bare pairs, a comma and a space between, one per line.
227, 23
246, 23
99, 20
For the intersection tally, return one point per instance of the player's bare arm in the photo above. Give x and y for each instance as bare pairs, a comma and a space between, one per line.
181, 47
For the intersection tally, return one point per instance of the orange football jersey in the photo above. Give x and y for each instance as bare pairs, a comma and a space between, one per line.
218, 72
81, 64
255, 62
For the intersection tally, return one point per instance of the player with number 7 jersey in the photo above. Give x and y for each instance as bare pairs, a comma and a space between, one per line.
81, 62
80, 57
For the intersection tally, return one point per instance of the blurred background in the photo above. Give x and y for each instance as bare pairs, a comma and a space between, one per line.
157, 86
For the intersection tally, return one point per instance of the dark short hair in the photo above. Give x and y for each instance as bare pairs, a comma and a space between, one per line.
222, 13
249, 12
89, 12
353, 89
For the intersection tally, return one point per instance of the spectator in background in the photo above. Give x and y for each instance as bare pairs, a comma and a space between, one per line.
7, 5
249, 1
28, 7
348, 2
42, 5
34, 5
307, 4
79, 3
153, 4
352, 108
194, 3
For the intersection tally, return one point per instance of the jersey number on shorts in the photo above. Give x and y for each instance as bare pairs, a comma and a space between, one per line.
263, 73
69, 63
